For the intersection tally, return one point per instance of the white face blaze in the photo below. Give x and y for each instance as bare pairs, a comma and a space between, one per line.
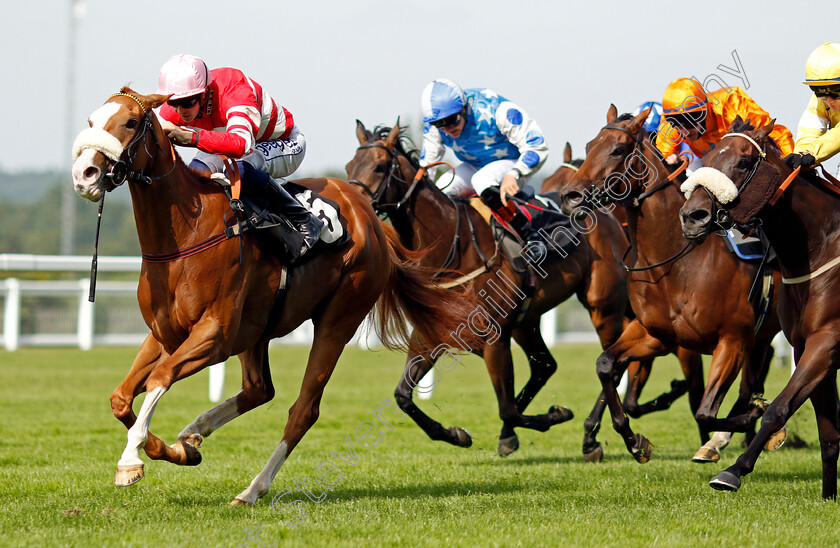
88, 143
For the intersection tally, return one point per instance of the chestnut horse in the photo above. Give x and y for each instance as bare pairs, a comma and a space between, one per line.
460, 244
745, 179
671, 285
203, 307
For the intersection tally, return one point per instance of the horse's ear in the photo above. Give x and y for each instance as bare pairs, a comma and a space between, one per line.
394, 136
362, 134
641, 117
765, 131
737, 122
612, 113
567, 153
155, 100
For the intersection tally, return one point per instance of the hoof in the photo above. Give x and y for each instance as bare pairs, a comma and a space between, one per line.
725, 481
706, 454
776, 441
193, 439
241, 502
128, 475
508, 446
459, 437
641, 449
595, 454
188, 455
560, 414
759, 402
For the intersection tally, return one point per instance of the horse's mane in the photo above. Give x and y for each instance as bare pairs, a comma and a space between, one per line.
404, 145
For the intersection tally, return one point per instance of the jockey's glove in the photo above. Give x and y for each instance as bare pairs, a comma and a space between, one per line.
800, 159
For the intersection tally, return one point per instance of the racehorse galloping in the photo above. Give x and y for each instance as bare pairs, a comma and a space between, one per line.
637, 372
202, 308
460, 243
745, 180
673, 285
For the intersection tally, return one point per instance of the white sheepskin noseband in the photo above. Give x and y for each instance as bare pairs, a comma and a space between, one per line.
721, 186
98, 139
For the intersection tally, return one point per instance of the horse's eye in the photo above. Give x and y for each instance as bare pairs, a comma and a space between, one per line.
131, 124
380, 168
744, 163
618, 151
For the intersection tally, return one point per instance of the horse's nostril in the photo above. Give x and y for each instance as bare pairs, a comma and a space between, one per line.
573, 197
699, 215
91, 172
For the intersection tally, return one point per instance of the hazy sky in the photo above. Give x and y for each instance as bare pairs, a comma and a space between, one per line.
332, 61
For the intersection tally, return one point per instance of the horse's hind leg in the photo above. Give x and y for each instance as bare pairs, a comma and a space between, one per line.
543, 366
327, 346
416, 367
257, 389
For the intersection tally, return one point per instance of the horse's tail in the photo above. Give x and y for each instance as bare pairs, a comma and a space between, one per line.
412, 299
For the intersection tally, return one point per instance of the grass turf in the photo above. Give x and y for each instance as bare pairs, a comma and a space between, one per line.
59, 445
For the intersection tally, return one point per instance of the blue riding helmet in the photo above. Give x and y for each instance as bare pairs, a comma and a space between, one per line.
652, 121
441, 98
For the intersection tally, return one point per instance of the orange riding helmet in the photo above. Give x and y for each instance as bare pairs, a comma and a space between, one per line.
683, 96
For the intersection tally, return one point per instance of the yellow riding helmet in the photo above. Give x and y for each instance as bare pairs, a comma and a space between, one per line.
823, 66
682, 96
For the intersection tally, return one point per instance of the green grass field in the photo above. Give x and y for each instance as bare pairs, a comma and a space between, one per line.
59, 445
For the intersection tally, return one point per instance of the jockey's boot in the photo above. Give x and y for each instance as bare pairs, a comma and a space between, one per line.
517, 220
308, 225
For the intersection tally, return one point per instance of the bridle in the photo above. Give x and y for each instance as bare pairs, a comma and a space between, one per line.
119, 172
386, 209
604, 197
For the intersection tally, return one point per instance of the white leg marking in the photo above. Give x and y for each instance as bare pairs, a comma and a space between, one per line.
260, 484
138, 433
207, 422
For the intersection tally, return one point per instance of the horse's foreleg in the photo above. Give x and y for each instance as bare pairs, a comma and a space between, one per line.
257, 389
542, 365
812, 368
824, 400
199, 350
635, 343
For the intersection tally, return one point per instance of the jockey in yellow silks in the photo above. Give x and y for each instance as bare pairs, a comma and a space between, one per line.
701, 119
818, 136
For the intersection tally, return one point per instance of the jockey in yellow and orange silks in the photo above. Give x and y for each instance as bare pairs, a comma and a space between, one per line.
701, 119
818, 136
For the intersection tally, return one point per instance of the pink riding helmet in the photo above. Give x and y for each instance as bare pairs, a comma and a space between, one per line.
182, 76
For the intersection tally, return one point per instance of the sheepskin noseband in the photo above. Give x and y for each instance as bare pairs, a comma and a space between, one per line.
716, 182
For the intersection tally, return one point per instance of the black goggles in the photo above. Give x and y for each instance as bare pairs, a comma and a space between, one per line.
688, 120
184, 102
832, 92
449, 121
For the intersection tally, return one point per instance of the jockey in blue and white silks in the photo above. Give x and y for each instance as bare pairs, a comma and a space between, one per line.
498, 144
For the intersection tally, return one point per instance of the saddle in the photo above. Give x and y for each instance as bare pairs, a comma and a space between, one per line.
274, 233
545, 216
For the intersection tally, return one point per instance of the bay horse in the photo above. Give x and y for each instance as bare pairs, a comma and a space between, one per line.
746, 182
459, 243
202, 307
670, 285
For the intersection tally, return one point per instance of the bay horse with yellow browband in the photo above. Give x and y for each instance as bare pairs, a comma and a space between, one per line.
202, 308
744, 180
459, 243
693, 297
